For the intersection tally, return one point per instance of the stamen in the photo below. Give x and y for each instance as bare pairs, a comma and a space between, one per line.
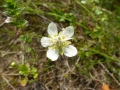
63, 29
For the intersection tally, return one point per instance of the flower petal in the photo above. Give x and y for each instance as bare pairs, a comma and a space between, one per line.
45, 42
68, 32
53, 54
52, 29
70, 51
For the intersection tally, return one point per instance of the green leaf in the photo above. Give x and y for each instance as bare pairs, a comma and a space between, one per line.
35, 75
34, 70
13, 64
24, 70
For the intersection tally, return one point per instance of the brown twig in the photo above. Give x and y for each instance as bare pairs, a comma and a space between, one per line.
3, 76
110, 73
2, 24
95, 78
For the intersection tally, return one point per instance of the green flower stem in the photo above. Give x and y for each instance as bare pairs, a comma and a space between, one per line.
47, 68
58, 16
67, 19
104, 55
86, 10
81, 25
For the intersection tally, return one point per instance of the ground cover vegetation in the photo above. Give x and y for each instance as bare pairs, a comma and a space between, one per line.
59, 45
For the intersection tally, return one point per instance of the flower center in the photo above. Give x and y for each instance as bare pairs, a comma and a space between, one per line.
59, 43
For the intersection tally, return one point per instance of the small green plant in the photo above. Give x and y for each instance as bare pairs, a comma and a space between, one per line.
26, 39
14, 14
25, 70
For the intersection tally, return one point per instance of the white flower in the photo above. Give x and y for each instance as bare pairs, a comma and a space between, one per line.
8, 20
58, 43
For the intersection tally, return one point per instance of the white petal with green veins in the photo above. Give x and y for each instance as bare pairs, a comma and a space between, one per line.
52, 30
45, 42
68, 32
53, 54
70, 51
